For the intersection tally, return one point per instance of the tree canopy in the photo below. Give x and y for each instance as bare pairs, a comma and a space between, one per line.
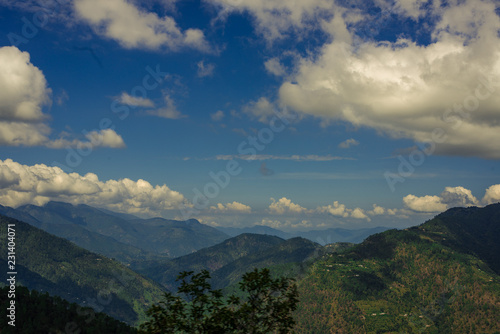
266, 306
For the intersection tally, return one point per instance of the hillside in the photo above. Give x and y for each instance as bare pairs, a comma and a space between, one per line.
210, 258
39, 313
229, 260
284, 259
434, 278
55, 265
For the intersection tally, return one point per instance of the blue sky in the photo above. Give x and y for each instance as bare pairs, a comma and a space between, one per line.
310, 114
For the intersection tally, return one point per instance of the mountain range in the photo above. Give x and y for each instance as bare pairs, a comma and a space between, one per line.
438, 277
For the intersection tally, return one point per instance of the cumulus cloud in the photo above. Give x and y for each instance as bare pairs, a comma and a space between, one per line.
335, 209
458, 196
377, 210
23, 94
135, 101
276, 19
401, 88
169, 111
425, 203
285, 205
217, 116
262, 109
492, 194
449, 198
274, 66
231, 207
348, 143
39, 184
205, 70
407, 90
133, 27
95, 139
359, 213
340, 210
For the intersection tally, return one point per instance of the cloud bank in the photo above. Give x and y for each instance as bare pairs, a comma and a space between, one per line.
39, 184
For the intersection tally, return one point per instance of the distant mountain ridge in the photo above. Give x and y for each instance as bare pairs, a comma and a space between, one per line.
323, 237
129, 240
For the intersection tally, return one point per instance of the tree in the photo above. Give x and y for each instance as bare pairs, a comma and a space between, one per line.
266, 307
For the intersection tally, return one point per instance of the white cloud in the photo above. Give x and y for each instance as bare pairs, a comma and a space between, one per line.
408, 90
274, 66
135, 101
336, 209
217, 116
205, 70
458, 196
492, 194
377, 210
276, 19
23, 88
231, 207
449, 198
401, 88
262, 109
23, 94
169, 111
425, 203
284, 205
340, 210
359, 214
348, 143
132, 27
38, 184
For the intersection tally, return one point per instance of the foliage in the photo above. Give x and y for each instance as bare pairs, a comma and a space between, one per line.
39, 313
266, 308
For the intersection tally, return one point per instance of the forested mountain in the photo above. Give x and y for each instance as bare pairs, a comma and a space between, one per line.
123, 237
229, 260
40, 313
439, 277
210, 258
49, 263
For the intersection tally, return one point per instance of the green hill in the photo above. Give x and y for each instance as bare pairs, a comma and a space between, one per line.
210, 258
438, 277
55, 265
39, 313
288, 258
